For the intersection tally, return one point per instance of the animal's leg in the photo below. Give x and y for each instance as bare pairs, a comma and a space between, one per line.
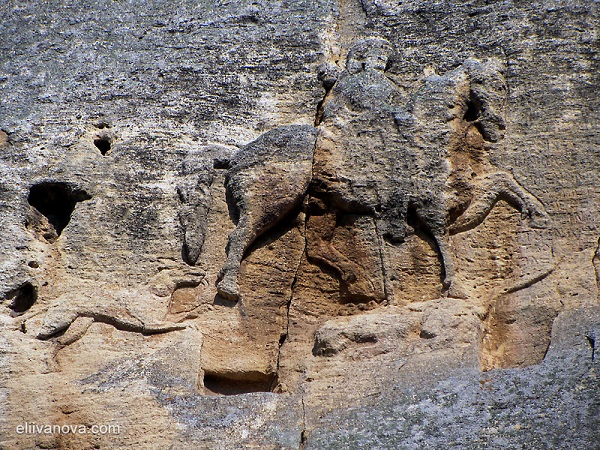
58, 318
449, 283
393, 220
433, 219
193, 218
500, 186
195, 197
320, 232
239, 240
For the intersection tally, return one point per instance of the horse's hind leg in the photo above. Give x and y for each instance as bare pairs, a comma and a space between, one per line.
451, 288
261, 205
442, 241
239, 240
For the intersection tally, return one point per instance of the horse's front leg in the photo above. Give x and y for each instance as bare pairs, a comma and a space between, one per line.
433, 219
193, 217
320, 249
500, 186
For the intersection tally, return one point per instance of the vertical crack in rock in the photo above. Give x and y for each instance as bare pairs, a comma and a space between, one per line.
284, 336
303, 434
364, 8
386, 286
596, 264
592, 342
327, 83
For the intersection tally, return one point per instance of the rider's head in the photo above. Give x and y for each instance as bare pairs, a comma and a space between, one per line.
370, 54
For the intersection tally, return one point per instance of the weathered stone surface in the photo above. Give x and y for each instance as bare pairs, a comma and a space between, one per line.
267, 180
274, 224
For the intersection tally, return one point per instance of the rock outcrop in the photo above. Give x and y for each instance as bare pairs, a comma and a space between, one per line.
303, 225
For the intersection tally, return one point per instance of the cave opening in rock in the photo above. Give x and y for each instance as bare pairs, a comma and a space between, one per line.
102, 144
56, 201
22, 298
473, 110
218, 384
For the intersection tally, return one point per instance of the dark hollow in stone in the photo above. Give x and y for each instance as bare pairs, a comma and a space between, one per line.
22, 298
221, 163
592, 342
473, 111
56, 201
427, 334
222, 385
103, 144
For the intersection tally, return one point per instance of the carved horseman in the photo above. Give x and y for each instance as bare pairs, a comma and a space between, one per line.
428, 168
424, 166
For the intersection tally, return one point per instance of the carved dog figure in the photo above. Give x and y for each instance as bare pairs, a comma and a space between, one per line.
198, 174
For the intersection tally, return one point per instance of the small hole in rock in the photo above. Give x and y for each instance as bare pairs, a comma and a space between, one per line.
21, 298
102, 125
56, 201
427, 334
223, 385
103, 144
472, 112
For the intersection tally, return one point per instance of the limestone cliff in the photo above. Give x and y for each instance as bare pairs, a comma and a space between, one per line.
300, 225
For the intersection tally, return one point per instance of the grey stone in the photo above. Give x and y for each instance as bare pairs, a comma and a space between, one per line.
434, 285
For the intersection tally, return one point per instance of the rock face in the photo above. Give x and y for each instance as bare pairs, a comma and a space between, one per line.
357, 224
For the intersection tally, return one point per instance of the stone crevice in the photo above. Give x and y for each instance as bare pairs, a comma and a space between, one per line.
386, 281
592, 343
596, 264
285, 336
303, 432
